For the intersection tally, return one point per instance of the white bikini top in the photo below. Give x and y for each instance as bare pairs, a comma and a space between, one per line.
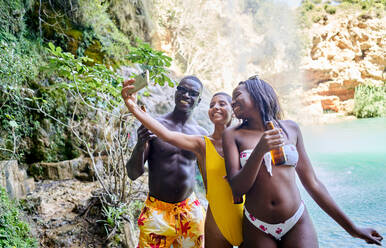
289, 150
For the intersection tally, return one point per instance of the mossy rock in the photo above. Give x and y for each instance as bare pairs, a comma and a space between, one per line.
74, 41
94, 51
51, 143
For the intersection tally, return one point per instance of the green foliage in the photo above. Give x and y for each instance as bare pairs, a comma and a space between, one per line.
41, 90
91, 83
316, 18
19, 66
370, 101
13, 231
82, 27
12, 16
330, 9
94, 15
113, 215
309, 11
19, 60
135, 208
365, 4
21, 91
113, 219
152, 60
308, 5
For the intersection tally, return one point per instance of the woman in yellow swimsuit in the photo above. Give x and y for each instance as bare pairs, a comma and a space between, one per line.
223, 218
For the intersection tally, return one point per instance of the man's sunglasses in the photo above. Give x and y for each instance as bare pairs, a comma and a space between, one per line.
183, 90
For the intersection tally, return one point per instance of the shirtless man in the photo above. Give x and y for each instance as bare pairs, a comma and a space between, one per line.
172, 215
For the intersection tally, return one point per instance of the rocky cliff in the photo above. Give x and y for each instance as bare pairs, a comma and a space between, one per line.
344, 47
347, 49
15, 179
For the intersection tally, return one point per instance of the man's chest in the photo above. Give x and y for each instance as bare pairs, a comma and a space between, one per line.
189, 129
160, 150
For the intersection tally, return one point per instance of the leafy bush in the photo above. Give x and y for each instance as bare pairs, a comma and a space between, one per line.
370, 101
370, 2
154, 61
316, 18
364, 4
113, 219
307, 5
94, 82
12, 16
13, 231
19, 66
308, 11
330, 9
21, 90
89, 82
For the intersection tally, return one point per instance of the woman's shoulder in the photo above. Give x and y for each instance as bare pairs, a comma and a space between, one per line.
230, 131
229, 134
290, 124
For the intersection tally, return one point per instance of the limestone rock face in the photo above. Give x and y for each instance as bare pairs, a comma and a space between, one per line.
15, 180
348, 50
79, 168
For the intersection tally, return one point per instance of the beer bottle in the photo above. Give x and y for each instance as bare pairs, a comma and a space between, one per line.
278, 155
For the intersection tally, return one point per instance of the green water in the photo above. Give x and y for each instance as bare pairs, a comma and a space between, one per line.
350, 159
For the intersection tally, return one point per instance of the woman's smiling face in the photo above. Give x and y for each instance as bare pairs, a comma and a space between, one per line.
242, 102
220, 110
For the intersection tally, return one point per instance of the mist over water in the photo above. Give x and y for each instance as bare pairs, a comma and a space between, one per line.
355, 136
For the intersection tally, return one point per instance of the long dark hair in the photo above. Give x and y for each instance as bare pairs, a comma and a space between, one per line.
265, 99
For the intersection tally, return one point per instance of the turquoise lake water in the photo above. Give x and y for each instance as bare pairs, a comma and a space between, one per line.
350, 159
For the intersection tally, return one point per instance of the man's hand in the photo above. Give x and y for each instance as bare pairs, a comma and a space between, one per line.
129, 99
144, 135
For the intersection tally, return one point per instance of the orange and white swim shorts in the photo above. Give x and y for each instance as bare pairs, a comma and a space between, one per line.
163, 224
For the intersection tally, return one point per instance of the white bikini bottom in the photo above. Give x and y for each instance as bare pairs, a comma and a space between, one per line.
276, 230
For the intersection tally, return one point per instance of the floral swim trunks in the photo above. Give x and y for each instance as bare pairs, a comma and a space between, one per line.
163, 224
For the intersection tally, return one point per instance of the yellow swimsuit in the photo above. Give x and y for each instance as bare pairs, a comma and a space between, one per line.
228, 216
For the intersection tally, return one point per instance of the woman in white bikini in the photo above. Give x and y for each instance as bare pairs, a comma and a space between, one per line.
274, 214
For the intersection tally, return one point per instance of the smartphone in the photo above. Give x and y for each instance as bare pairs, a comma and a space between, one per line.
141, 80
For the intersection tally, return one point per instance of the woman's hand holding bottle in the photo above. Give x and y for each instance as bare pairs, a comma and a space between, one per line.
271, 139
